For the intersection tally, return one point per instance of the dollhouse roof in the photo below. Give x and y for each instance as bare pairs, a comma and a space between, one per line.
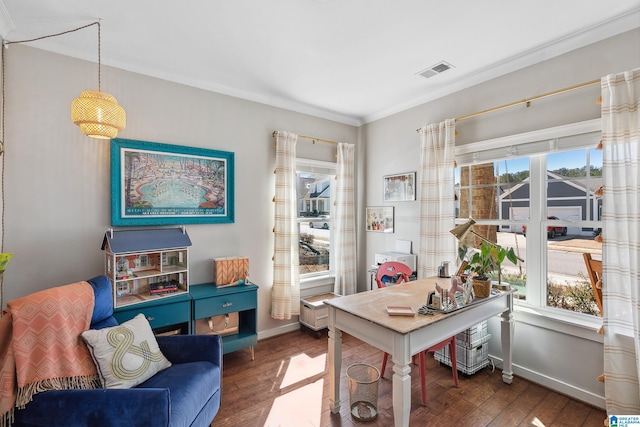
144, 240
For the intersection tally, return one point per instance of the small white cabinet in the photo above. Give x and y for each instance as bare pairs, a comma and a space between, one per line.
145, 265
314, 314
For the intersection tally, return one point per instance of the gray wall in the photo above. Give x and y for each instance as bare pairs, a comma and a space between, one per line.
569, 360
57, 191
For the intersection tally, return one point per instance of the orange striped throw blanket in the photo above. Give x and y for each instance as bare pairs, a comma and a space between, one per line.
41, 348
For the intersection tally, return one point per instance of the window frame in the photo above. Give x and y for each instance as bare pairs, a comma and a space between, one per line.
536, 145
310, 280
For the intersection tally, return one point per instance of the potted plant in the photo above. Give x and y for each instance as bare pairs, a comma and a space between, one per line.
482, 263
500, 254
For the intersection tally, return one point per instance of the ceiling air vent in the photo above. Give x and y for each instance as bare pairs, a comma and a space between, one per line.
438, 68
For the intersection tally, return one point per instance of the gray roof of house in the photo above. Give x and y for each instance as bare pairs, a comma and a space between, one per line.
325, 193
595, 182
143, 240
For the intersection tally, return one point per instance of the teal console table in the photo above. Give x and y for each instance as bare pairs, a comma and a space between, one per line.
163, 314
207, 300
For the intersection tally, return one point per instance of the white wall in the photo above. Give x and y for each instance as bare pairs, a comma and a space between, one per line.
57, 191
541, 353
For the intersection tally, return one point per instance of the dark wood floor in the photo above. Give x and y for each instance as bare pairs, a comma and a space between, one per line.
263, 393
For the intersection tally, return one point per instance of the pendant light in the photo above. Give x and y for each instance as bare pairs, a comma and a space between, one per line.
98, 113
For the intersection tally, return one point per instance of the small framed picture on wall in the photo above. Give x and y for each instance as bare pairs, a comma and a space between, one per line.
400, 187
380, 219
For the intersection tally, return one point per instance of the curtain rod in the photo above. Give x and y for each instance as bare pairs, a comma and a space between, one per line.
312, 138
526, 100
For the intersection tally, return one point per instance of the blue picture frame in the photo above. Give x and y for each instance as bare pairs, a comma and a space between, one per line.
164, 184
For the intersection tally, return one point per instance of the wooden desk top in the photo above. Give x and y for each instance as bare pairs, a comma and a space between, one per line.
372, 305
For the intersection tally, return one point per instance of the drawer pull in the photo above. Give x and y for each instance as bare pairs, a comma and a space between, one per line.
149, 318
227, 304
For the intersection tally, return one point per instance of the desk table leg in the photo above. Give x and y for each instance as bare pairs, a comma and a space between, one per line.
335, 363
401, 382
506, 332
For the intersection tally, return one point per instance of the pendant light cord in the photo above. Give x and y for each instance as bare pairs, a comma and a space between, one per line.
99, 63
2, 181
5, 45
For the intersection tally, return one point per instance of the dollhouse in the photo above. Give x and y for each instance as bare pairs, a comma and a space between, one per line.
143, 265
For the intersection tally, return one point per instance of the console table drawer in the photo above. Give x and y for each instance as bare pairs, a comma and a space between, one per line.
158, 315
222, 304
209, 300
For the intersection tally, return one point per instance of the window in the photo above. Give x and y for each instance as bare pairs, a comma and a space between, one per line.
144, 260
573, 219
315, 209
496, 195
543, 205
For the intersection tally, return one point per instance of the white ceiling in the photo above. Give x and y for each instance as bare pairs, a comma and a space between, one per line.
352, 61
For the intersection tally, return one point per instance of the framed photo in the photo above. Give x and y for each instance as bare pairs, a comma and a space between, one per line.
400, 187
162, 184
380, 219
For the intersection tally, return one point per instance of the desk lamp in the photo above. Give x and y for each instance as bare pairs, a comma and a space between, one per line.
462, 230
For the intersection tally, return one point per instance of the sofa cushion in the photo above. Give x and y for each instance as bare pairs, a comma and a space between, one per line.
103, 299
190, 385
105, 323
125, 355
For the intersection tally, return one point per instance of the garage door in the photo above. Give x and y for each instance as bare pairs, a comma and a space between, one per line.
564, 213
519, 214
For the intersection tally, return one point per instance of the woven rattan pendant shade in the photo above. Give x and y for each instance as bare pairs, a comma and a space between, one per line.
98, 114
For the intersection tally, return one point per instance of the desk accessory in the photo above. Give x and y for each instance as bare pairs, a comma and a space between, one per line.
395, 310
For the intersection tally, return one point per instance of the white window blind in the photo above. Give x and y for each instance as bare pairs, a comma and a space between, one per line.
556, 139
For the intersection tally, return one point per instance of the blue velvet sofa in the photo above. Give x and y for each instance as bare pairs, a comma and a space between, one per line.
186, 394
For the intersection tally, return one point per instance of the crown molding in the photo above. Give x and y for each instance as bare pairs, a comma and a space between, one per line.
273, 101
624, 22
6, 23
617, 25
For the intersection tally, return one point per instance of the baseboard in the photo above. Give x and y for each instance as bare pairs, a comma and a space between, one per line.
570, 390
278, 331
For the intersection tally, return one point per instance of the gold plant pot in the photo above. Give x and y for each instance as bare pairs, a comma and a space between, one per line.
481, 288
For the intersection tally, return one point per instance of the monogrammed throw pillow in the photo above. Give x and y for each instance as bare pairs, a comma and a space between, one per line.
125, 355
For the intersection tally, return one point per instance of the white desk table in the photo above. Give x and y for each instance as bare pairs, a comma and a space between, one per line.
364, 316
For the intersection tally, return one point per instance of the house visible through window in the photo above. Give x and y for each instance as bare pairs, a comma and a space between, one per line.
315, 194
544, 206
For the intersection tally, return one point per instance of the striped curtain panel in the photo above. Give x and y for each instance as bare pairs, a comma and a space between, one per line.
621, 241
285, 294
345, 222
437, 210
